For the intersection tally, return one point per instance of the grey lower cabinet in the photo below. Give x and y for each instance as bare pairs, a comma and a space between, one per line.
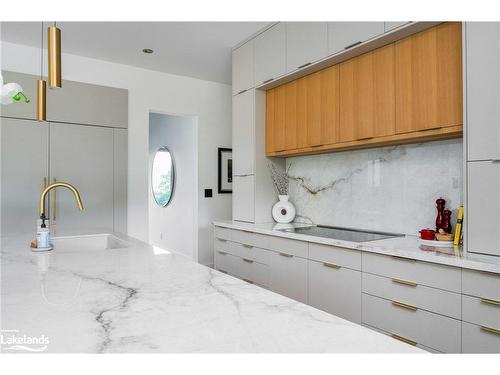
288, 275
24, 170
83, 157
483, 207
335, 289
436, 307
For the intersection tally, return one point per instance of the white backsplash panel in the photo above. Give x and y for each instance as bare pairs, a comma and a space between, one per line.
390, 189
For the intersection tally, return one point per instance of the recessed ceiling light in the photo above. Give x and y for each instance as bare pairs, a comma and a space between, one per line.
147, 50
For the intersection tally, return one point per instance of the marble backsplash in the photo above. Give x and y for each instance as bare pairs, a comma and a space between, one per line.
390, 189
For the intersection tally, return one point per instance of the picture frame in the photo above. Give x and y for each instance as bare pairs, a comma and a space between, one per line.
225, 170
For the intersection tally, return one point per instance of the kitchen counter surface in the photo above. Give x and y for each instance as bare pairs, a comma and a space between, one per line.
406, 247
144, 299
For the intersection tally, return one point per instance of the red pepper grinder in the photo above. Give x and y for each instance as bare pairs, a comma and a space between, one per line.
446, 223
440, 208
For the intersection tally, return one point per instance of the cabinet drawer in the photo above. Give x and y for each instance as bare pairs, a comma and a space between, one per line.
481, 284
281, 245
478, 340
253, 272
288, 276
422, 327
250, 252
222, 245
423, 297
481, 311
336, 290
226, 262
222, 233
335, 255
418, 272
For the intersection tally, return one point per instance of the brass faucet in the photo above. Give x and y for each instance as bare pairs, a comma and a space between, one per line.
53, 186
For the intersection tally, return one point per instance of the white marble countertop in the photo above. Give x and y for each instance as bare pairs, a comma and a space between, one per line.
407, 246
142, 299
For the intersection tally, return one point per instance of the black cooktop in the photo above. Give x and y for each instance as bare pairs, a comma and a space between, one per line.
344, 234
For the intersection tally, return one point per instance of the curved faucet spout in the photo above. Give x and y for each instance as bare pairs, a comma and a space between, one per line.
56, 185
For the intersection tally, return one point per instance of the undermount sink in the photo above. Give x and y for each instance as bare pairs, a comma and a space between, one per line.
104, 241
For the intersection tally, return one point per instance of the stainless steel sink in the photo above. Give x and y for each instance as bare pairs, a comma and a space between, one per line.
339, 233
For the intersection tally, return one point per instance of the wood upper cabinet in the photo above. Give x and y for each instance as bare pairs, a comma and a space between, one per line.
303, 113
407, 91
429, 79
367, 102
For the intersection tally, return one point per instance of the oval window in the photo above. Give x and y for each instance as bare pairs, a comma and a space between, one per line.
162, 177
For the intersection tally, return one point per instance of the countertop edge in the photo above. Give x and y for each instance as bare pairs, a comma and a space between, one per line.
431, 257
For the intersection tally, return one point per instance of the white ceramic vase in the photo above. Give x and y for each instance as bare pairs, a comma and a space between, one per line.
283, 210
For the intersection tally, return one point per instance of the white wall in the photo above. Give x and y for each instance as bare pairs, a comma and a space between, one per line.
175, 227
157, 92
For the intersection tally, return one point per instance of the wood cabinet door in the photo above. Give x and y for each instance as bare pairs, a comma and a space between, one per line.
367, 102
429, 79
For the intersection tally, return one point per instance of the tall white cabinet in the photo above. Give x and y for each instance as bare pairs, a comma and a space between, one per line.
482, 67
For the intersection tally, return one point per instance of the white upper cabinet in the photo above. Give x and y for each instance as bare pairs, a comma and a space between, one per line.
483, 90
306, 42
483, 207
388, 26
344, 35
243, 75
243, 133
270, 54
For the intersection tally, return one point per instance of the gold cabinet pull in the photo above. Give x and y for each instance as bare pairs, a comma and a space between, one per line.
402, 258
222, 252
404, 282
404, 339
54, 206
221, 271
221, 239
331, 265
247, 246
490, 302
247, 260
286, 255
404, 306
248, 281
490, 330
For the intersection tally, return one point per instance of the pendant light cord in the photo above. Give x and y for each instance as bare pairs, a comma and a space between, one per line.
41, 55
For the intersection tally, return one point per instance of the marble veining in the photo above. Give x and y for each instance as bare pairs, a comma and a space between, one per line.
142, 299
389, 189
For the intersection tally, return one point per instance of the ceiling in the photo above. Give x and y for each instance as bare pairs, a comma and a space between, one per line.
195, 49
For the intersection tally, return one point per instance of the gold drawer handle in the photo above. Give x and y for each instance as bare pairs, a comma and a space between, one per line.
404, 282
286, 255
404, 259
331, 265
221, 271
221, 239
222, 252
404, 306
248, 281
490, 302
247, 246
404, 339
247, 260
490, 330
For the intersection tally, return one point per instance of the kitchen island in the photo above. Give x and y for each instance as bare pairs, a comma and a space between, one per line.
144, 299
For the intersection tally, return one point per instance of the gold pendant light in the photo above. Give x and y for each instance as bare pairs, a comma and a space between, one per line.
54, 40
41, 90
41, 100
